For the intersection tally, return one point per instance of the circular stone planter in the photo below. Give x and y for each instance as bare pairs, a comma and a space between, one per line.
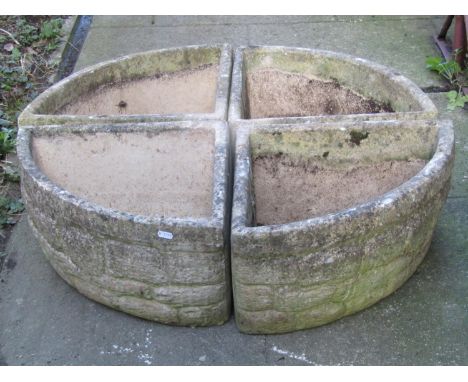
330, 218
126, 178
183, 83
134, 216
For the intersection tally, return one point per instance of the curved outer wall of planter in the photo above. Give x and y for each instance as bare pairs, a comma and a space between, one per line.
299, 275
118, 259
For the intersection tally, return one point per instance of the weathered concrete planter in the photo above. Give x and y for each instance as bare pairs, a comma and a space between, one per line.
126, 177
275, 85
163, 85
297, 274
87, 190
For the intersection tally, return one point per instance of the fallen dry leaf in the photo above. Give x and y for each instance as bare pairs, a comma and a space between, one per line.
8, 47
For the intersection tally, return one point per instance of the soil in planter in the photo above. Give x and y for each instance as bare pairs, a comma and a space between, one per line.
273, 93
287, 190
187, 91
167, 174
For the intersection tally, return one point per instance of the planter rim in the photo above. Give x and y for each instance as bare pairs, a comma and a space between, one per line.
220, 162
442, 155
29, 116
428, 109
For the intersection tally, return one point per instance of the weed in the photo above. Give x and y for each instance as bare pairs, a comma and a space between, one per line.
7, 141
453, 73
456, 99
9, 208
10, 173
447, 69
51, 29
26, 43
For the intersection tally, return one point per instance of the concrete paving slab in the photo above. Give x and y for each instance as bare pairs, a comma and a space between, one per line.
106, 43
43, 321
402, 43
122, 21
460, 121
131, 21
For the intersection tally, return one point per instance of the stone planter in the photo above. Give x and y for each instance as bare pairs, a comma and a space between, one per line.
163, 85
126, 178
157, 252
330, 218
276, 85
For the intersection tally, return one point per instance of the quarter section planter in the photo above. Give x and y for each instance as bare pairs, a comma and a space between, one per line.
135, 216
308, 265
170, 84
273, 85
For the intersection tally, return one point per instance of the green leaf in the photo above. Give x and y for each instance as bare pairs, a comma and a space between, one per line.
51, 29
15, 207
433, 62
15, 54
447, 69
5, 123
4, 202
453, 66
8, 208
452, 95
7, 141
11, 174
455, 100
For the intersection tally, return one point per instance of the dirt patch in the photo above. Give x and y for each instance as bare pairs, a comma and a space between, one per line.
287, 190
187, 91
168, 174
273, 93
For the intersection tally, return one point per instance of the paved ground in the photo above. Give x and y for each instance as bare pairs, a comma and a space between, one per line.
44, 321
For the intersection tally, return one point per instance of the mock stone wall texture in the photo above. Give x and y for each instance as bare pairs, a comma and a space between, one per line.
304, 274
119, 260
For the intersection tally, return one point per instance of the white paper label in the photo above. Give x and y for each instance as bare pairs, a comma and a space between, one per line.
165, 235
